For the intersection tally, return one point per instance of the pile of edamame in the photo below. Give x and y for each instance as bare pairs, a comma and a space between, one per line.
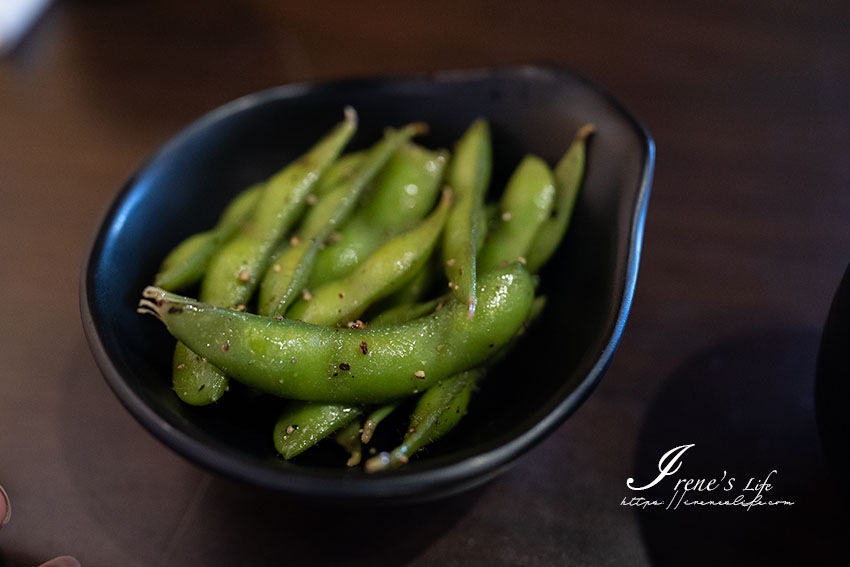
349, 282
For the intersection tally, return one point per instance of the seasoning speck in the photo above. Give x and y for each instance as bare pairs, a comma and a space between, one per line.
450, 262
276, 267
341, 295
201, 387
295, 241
419, 374
225, 347
311, 199
506, 216
244, 275
358, 324
307, 295
364, 348
239, 307
292, 361
522, 260
278, 317
290, 429
344, 366
175, 309
180, 365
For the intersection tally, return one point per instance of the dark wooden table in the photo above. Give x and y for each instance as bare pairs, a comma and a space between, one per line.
747, 236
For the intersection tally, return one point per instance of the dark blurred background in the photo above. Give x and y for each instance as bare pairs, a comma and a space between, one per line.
747, 236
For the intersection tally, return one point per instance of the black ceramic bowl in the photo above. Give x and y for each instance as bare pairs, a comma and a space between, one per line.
590, 282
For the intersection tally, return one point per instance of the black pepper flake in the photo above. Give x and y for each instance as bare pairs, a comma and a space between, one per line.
344, 366
175, 309
491, 345
364, 347
201, 387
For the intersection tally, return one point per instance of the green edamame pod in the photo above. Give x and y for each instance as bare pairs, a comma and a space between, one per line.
291, 265
340, 171
186, 263
569, 174
235, 271
404, 192
301, 425
231, 275
382, 273
374, 419
469, 176
342, 300
194, 380
525, 205
298, 360
349, 439
437, 412
281, 287
387, 268
441, 407
407, 312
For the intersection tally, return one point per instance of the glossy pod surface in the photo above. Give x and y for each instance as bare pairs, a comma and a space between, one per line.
303, 361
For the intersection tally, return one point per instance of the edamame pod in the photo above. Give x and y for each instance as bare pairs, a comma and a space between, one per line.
235, 271
301, 425
280, 287
382, 273
469, 176
340, 171
342, 300
186, 263
231, 275
406, 312
309, 362
437, 412
345, 299
569, 174
525, 205
442, 406
374, 419
404, 191
290, 268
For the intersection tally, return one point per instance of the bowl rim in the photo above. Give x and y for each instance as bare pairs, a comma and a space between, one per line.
401, 485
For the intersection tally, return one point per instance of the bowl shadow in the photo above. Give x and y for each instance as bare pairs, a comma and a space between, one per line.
747, 406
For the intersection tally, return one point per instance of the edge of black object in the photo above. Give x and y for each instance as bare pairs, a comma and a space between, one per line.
590, 281
832, 385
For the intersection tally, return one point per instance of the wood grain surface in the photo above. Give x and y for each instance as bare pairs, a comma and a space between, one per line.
747, 237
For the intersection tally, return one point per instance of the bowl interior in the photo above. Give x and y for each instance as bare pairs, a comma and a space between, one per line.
183, 187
